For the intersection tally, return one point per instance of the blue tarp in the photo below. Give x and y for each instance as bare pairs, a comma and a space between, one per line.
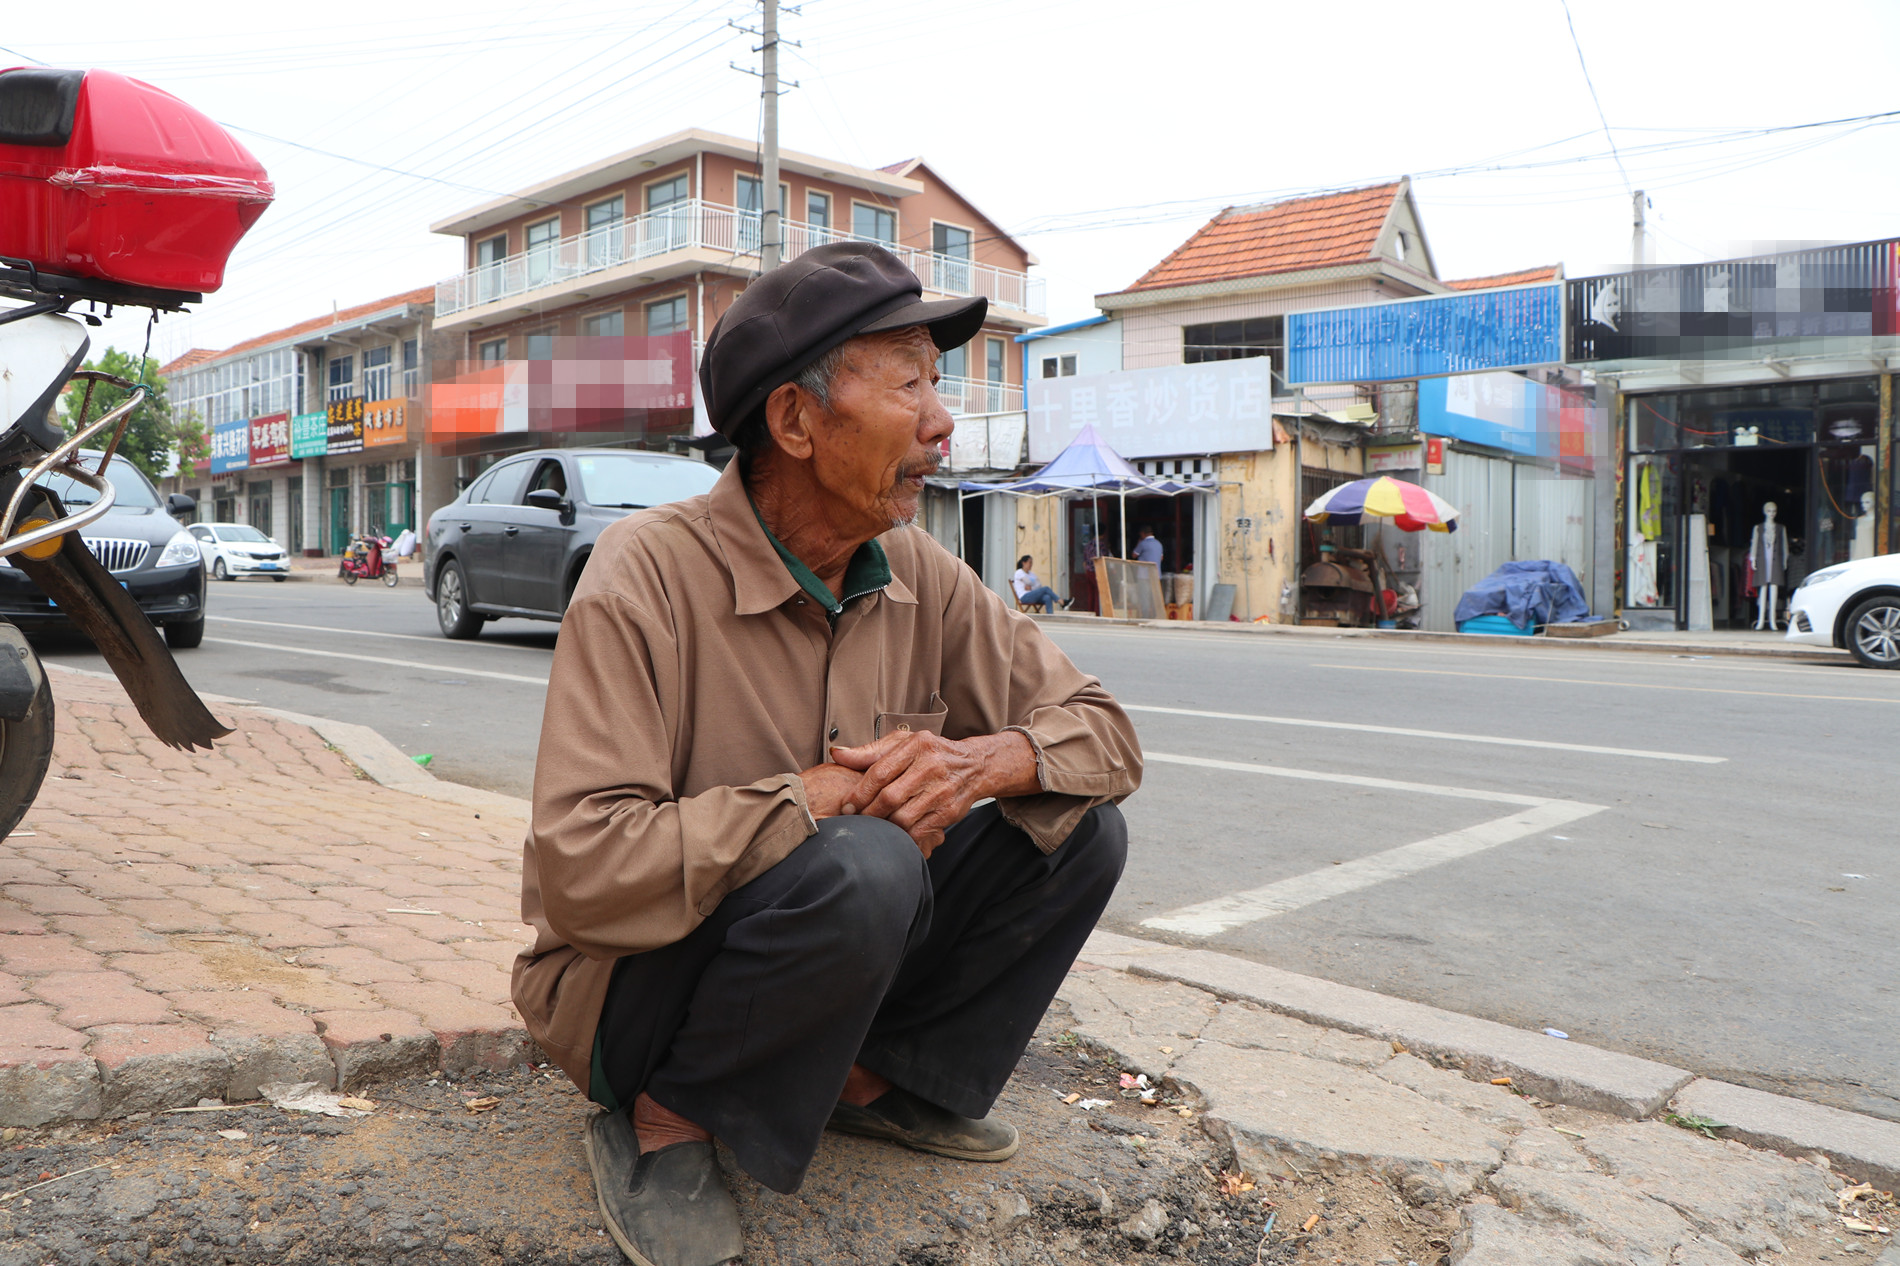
1534, 590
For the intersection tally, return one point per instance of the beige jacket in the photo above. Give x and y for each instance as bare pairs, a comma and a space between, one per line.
693, 680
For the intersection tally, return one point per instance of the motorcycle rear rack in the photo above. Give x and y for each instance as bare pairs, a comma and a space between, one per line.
60, 460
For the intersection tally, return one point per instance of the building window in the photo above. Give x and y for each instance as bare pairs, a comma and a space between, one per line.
411, 368
1058, 367
668, 316
541, 345
874, 224
489, 255
751, 206
668, 224
604, 325
1236, 340
818, 214
951, 247
342, 378
955, 363
376, 373
493, 352
543, 245
605, 241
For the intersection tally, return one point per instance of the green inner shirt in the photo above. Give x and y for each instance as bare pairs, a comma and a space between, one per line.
867, 572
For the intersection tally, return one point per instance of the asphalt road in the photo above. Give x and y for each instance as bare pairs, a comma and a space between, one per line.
1732, 912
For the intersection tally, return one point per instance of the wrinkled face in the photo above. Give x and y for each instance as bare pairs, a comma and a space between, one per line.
883, 431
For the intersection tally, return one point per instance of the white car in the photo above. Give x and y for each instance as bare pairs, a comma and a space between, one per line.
231, 550
1851, 605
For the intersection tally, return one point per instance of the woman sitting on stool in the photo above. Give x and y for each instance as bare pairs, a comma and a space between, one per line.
1029, 587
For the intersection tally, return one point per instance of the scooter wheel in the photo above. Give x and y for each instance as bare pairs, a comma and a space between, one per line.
389, 577
349, 577
26, 748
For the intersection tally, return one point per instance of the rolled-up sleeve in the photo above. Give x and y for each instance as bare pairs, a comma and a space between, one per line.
1001, 672
624, 864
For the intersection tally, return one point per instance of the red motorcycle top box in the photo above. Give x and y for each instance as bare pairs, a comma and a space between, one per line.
109, 178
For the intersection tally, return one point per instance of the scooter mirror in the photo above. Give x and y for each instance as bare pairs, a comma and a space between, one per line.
42, 353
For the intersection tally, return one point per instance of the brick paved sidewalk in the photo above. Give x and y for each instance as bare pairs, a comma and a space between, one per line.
182, 926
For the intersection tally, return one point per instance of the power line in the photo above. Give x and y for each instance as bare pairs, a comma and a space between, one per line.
1589, 83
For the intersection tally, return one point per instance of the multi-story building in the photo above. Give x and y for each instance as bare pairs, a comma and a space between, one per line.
585, 298
316, 429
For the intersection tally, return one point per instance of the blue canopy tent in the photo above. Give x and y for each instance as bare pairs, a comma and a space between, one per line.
1087, 467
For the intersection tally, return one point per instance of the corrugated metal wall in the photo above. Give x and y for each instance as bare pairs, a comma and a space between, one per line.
1508, 510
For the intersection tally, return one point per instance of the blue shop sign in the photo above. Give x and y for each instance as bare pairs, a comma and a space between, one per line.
231, 446
1510, 328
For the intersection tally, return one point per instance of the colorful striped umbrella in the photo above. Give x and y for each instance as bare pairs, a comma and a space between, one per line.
1409, 506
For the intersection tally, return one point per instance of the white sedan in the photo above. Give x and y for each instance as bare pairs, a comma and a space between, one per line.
231, 550
1852, 605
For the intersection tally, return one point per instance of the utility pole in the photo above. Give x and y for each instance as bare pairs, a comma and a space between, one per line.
771, 228
1639, 247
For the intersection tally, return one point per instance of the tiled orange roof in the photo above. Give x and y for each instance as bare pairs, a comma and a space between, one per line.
1522, 277
1282, 237
196, 356
424, 295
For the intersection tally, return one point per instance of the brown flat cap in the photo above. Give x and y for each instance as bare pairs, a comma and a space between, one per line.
796, 313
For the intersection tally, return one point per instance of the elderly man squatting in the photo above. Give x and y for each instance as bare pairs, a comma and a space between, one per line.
766, 898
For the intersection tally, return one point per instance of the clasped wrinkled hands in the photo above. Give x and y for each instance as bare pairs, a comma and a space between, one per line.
918, 781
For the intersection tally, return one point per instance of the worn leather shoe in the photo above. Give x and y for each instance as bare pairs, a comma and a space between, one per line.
901, 1117
669, 1207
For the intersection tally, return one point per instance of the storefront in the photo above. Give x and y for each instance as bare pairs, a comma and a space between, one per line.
1702, 468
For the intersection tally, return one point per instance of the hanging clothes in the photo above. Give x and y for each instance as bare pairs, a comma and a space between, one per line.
1768, 553
1648, 501
1642, 576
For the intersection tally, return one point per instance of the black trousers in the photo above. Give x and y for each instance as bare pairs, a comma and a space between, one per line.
855, 949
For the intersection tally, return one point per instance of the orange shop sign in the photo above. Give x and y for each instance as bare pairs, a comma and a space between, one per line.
386, 422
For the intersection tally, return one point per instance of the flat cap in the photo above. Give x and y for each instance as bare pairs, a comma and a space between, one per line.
796, 313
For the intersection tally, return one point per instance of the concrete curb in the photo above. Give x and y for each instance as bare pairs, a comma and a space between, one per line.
389, 765
1863, 1147
1612, 642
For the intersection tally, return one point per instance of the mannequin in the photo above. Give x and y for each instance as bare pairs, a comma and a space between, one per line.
1768, 550
1863, 546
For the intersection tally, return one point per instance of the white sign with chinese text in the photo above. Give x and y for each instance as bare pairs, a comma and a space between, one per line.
1219, 407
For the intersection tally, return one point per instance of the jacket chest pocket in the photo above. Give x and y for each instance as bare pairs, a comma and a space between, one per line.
900, 722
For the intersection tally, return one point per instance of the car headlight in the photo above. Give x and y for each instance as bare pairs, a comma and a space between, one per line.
1816, 577
178, 551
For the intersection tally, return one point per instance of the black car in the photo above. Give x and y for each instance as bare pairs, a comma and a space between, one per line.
515, 541
139, 542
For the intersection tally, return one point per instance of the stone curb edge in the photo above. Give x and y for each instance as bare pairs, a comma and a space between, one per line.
1575, 1073
1802, 654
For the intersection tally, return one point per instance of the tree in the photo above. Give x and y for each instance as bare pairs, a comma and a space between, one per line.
152, 434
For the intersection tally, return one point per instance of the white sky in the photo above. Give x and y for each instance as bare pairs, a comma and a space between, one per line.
1102, 132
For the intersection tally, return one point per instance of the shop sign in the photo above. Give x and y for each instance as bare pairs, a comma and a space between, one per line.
230, 446
1511, 412
386, 422
270, 440
1434, 455
1218, 407
590, 384
1833, 299
1512, 327
345, 428
1381, 460
309, 435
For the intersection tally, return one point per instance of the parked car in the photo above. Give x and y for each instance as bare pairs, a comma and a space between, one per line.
1852, 605
140, 543
514, 542
231, 550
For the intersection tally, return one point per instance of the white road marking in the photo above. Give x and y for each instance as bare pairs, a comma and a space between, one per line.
1431, 734
477, 643
1598, 681
353, 657
1222, 914
1350, 780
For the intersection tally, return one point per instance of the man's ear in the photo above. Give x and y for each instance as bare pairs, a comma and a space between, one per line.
788, 415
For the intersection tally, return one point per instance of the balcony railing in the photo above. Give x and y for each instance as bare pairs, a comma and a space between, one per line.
973, 395
694, 224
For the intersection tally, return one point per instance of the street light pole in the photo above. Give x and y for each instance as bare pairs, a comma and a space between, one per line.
770, 227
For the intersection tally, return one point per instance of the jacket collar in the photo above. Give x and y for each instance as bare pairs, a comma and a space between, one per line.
760, 579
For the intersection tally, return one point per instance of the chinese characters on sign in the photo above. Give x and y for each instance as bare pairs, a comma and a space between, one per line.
1219, 407
230, 446
270, 440
309, 435
345, 429
386, 422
